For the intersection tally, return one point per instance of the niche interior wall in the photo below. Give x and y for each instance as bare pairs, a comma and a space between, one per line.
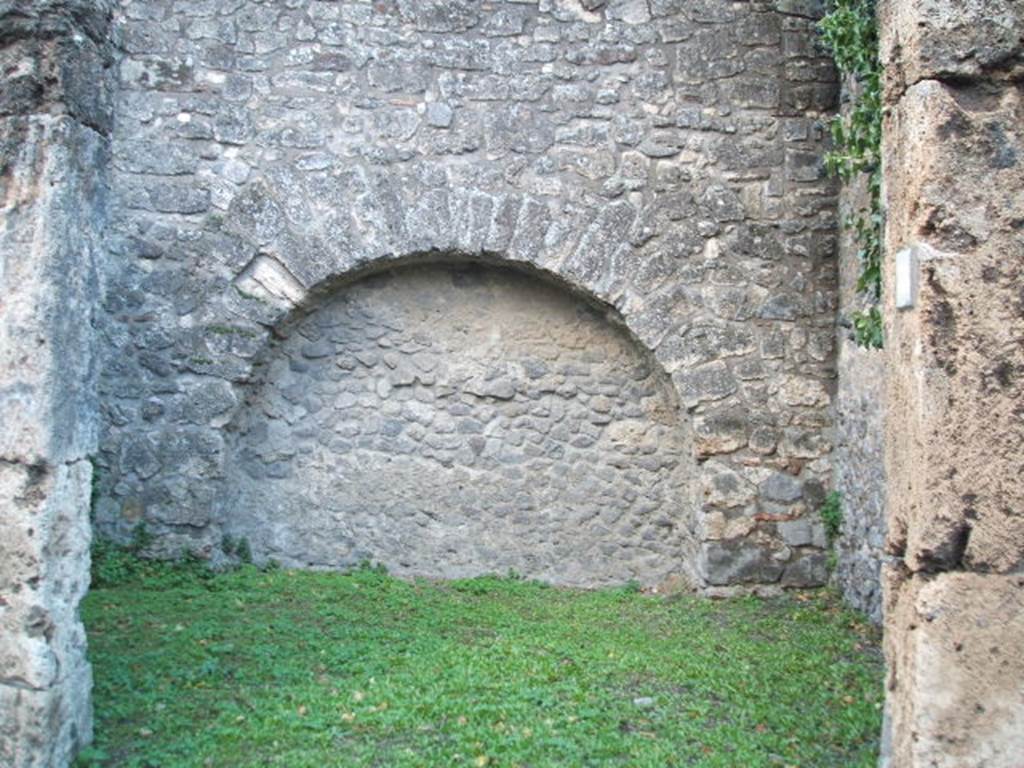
457, 419
655, 164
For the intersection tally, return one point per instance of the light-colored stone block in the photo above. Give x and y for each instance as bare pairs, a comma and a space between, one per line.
956, 671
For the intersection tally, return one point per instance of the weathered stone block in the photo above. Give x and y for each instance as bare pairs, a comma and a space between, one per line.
738, 562
807, 570
799, 391
46, 397
781, 487
720, 432
726, 487
707, 383
954, 339
45, 728
953, 162
945, 39
44, 557
955, 647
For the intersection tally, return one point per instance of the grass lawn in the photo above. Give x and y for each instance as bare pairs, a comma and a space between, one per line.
286, 668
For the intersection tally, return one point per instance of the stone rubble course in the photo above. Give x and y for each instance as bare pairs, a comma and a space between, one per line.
954, 596
859, 456
661, 158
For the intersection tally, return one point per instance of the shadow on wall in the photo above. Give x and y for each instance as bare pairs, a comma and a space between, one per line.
453, 419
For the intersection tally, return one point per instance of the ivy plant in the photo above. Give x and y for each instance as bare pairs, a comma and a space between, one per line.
850, 32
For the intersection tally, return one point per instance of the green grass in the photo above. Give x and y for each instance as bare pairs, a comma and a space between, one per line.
285, 668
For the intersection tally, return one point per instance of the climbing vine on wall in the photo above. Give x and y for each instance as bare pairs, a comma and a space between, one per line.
850, 32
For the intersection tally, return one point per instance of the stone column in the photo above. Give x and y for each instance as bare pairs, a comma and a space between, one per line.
954, 154
54, 121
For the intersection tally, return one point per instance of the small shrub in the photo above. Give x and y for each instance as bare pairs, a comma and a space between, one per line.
112, 563
244, 551
91, 756
115, 564
832, 516
141, 539
831, 561
366, 565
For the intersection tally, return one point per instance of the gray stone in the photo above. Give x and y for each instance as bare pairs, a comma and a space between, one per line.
737, 562
439, 115
781, 487
720, 432
318, 349
796, 533
151, 157
725, 487
710, 382
809, 570
176, 198
499, 389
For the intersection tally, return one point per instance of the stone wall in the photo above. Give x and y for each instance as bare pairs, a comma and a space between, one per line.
54, 124
859, 456
660, 158
954, 153
860, 475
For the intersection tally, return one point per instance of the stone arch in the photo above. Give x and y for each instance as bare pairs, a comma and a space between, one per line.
287, 242
696, 286
392, 419
364, 220
692, 308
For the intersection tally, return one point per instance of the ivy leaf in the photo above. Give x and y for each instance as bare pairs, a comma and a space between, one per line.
850, 32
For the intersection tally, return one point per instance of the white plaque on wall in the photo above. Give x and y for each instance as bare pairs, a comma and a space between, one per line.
906, 278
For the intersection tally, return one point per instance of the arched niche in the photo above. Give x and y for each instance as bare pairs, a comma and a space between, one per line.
450, 419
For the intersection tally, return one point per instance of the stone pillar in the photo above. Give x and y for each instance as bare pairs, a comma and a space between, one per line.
54, 121
954, 596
